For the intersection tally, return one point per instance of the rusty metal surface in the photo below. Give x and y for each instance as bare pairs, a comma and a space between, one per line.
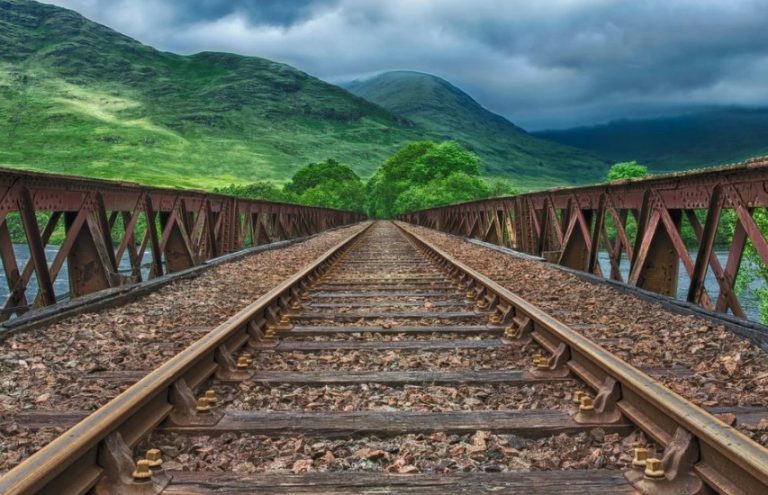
570, 226
106, 222
58, 467
726, 459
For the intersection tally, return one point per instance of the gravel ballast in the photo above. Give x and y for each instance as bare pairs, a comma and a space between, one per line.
42, 369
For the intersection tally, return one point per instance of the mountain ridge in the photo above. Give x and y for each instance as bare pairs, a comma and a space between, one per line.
80, 98
676, 142
445, 109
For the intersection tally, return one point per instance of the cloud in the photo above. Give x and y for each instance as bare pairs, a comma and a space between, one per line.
542, 64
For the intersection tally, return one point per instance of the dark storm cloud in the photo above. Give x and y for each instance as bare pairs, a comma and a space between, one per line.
542, 64
265, 12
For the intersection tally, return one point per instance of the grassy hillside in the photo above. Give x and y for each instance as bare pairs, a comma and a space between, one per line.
79, 98
505, 148
676, 143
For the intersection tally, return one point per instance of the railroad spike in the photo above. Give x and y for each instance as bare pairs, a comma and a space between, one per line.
672, 474
554, 366
228, 369
142, 473
185, 410
210, 396
640, 458
603, 408
124, 477
154, 456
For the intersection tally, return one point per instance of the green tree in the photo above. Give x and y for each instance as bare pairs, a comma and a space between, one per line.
627, 170
455, 188
425, 174
314, 174
330, 184
498, 187
262, 189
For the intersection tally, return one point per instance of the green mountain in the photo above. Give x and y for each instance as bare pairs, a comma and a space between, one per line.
675, 143
79, 98
506, 149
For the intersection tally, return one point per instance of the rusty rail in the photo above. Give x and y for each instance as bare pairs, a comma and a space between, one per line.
75, 461
570, 226
106, 223
699, 448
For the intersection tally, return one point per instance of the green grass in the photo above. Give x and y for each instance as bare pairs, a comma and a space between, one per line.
79, 98
506, 150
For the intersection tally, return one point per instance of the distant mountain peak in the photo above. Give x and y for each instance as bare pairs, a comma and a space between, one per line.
446, 110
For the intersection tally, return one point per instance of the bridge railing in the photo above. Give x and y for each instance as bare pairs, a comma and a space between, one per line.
646, 228
113, 233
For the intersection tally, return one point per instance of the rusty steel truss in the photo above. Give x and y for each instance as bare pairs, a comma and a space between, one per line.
638, 221
105, 221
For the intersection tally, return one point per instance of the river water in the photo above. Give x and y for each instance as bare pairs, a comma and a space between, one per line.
61, 286
748, 302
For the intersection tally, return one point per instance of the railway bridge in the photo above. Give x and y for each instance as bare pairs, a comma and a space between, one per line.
603, 339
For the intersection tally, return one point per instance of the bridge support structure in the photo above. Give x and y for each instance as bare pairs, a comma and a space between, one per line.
644, 230
110, 233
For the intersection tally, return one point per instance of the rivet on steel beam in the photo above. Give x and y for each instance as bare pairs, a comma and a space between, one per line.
654, 470
210, 396
203, 406
586, 406
142, 473
641, 458
577, 395
154, 458
242, 363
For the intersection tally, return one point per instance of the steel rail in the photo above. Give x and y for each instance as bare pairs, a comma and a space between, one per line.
727, 460
69, 464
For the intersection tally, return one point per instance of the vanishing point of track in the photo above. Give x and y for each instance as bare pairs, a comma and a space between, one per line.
387, 291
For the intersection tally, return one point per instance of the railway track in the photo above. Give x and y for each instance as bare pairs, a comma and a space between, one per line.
387, 367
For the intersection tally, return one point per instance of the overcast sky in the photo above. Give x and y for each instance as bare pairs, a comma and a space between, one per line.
540, 63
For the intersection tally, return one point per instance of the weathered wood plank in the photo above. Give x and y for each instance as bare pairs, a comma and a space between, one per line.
443, 315
593, 482
35, 420
421, 345
511, 377
394, 292
515, 377
301, 331
395, 303
530, 423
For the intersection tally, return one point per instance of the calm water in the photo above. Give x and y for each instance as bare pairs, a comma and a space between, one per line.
61, 285
748, 302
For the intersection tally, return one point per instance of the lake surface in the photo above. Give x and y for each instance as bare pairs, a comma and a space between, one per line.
61, 284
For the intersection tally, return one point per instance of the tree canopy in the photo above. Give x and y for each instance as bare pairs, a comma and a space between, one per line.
425, 174
420, 175
627, 170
